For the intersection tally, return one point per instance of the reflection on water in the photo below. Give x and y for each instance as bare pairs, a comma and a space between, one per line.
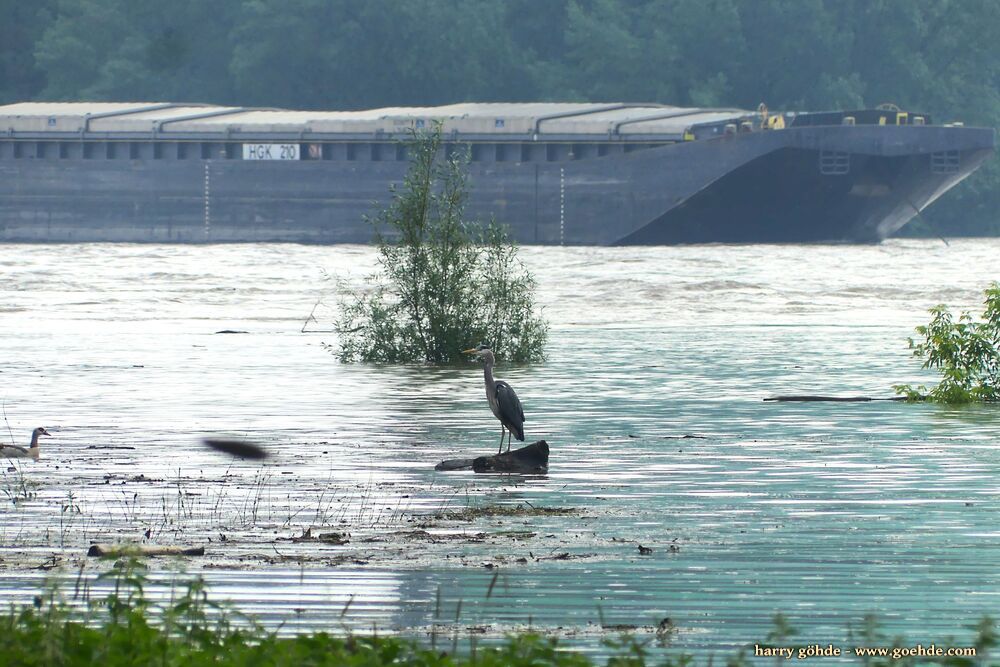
825, 511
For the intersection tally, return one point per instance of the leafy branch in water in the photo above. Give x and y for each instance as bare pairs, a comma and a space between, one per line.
443, 284
966, 352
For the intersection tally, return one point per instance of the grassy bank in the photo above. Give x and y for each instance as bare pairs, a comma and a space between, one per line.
124, 627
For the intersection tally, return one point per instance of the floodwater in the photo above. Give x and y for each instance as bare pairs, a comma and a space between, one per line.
823, 511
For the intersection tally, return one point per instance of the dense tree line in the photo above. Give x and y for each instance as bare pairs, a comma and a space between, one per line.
936, 56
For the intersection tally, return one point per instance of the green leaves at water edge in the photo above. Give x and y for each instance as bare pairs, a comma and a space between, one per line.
965, 351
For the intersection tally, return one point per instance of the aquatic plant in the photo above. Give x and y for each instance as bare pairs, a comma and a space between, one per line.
965, 351
126, 627
443, 283
16, 487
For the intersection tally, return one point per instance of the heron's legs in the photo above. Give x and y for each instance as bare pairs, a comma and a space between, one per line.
502, 429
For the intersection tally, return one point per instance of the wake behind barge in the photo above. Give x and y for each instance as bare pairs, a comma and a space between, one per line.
554, 173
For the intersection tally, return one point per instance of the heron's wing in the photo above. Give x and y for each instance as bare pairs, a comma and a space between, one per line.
510, 405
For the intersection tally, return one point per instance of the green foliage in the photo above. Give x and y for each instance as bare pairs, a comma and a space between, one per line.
966, 352
350, 54
443, 285
781, 631
125, 628
22, 26
137, 51
987, 638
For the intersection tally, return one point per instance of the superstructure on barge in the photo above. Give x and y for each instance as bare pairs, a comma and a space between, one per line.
554, 173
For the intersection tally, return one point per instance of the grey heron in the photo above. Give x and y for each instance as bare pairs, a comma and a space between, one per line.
15, 452
503, 401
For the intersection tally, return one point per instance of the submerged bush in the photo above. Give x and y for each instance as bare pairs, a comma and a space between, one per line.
444, 284
966, 352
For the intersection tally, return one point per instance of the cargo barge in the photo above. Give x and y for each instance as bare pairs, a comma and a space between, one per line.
553, 173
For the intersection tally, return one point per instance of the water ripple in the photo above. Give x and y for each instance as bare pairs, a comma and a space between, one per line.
825, 511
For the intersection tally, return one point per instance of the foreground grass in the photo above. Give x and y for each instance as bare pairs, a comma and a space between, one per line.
124, 628
34, 640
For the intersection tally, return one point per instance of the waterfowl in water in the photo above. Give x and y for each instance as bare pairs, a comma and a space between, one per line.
15, 452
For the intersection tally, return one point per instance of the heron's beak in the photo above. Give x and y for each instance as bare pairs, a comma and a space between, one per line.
472, 351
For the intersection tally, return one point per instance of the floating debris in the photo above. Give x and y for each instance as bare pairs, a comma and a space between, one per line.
119, 550
835, 399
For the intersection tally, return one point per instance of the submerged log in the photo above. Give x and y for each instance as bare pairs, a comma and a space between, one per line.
454, 464
838, 399
531, 459
120, 550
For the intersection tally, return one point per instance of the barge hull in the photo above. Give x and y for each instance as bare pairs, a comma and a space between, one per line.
815, 183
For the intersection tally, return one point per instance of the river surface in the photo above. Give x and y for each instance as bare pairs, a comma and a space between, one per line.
822, 511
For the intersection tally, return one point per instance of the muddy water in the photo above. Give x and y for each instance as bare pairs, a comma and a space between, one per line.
824, 511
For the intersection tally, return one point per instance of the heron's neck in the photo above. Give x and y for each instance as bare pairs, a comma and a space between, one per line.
488, 373
34, 440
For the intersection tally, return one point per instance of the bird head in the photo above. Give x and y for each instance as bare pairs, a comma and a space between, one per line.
41, 431
482, 351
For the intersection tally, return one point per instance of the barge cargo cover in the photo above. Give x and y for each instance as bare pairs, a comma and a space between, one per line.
553, 173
